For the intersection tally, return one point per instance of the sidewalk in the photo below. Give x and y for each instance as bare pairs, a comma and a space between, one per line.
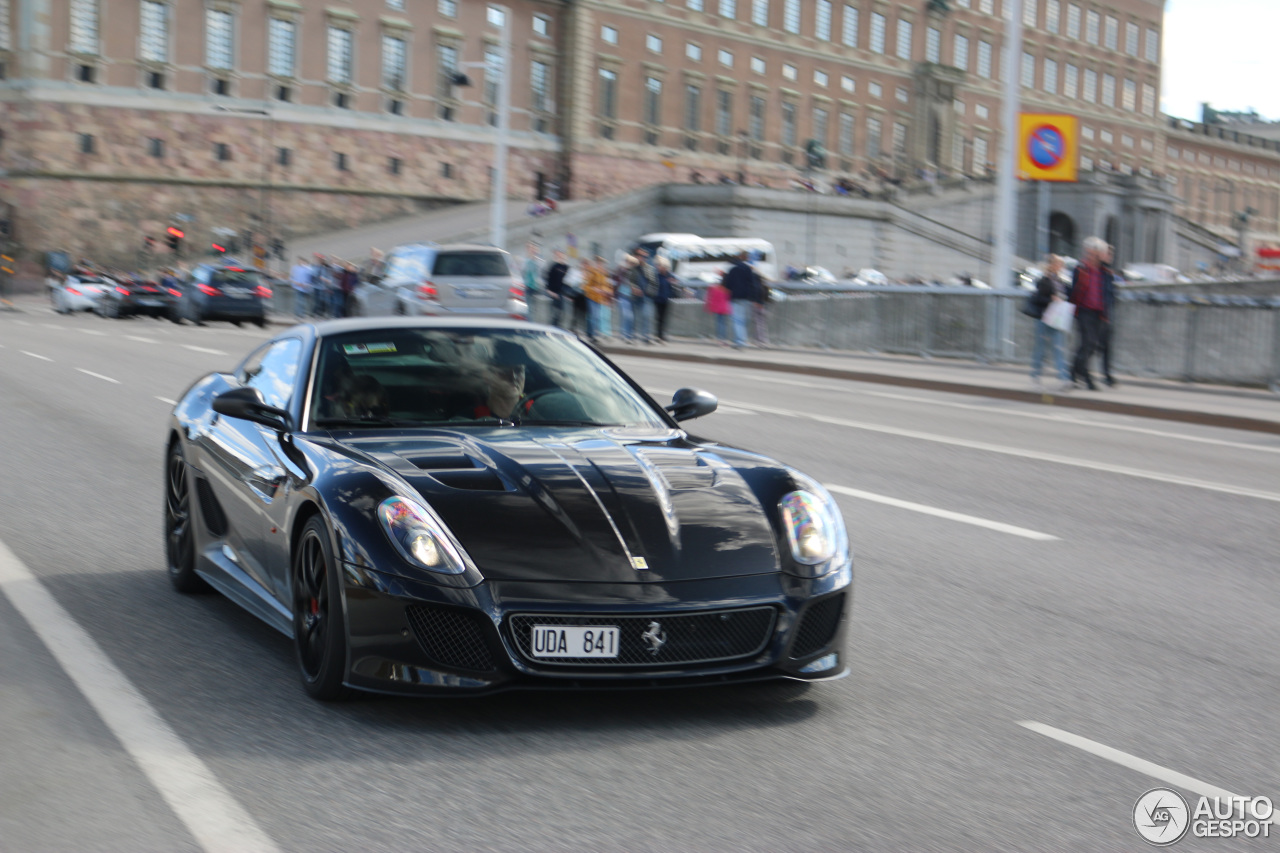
1257, 410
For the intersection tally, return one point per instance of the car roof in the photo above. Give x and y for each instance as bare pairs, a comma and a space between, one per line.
362, 324
451, 247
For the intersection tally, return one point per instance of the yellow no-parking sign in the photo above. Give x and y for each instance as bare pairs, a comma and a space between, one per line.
1048, 147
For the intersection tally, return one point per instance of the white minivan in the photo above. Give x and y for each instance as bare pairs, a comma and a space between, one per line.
425, 279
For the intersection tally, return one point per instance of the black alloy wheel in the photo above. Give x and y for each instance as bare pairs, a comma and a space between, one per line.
179, 538
319, 631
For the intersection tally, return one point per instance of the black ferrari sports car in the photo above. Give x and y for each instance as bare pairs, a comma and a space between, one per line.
455, 507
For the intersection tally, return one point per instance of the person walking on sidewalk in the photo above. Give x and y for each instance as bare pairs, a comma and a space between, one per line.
532, 264
645, 279
555, 285
1090, 283
760, 310
740, 281
1049, 290
665, 292
1108, 325
599, 292
300, 277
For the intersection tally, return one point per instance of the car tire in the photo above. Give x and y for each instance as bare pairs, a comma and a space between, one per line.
179, 534
319, 627
260, 322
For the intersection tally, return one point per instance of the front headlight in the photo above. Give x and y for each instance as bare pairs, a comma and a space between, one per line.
420, 537
810, 529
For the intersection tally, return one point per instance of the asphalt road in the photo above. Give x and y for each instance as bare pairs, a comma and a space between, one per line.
1108, 577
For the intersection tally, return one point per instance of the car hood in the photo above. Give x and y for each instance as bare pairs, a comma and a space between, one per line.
585, 505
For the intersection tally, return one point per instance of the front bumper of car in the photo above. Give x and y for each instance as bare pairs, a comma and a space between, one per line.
421, 638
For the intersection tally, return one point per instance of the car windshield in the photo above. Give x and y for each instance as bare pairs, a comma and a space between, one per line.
471, 263
234, 277
410, 264
402, 376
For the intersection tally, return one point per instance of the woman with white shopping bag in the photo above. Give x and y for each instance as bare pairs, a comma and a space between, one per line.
1053, 315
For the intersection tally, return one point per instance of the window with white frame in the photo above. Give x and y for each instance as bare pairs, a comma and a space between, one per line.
692, 108
542, 26
1126, 140
1148, 99
933, 45
874, 89
1106, 137
724, 112
1129, 95
957, 152
540, 86
725, 58
789, 71
5, 38
496, 16
848, 84
728, 8
1073, 21
984, 59
394, 58
788, 123
1071, 81
874, 130
608, 35
1050, 83
339, 64
820, 120
1111, 33
755, 118
1108, 97
1028, 76
877, 32
1153, 45
791, 16
446, 68
981, 111
979, 154
84, 26
1029, 13
693, 51
960, 52
693, 5
653, 43
1092, 23
899, 138
822, 20
398, 5
652, 101
820, 78
987, 7
760, 13
219, 34
845, 142
447, 8
1089, 93
153, 42
492, 82
849, 27
1052, 15
958, 106
904, 38
608, 105
282, 46
902, 94
1131, 33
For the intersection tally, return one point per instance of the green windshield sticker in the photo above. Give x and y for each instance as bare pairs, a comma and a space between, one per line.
368, 349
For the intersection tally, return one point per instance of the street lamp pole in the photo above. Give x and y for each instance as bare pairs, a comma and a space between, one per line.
498, 205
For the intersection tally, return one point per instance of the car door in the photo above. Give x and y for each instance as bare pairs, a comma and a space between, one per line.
249, 469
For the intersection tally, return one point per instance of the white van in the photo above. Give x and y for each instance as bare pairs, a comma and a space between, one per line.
702, 260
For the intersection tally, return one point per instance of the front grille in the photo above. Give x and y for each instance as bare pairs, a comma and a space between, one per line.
702, 637
818, 626
452, 638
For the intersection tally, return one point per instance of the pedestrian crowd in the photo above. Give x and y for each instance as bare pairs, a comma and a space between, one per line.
586, 295
1087, 303
324, 286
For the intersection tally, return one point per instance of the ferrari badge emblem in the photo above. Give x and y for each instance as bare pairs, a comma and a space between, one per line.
655, 637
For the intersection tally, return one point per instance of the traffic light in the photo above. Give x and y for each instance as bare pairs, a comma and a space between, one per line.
174, 236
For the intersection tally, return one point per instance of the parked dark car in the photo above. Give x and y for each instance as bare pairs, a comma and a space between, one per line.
452, 506
133, 296
221, 291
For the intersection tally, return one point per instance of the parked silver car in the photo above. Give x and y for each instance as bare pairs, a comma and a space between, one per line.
424, 279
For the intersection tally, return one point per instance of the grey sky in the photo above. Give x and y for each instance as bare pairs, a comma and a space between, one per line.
1226, 52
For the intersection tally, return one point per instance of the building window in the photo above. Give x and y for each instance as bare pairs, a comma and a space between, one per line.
849, 27
1148, 99
1129, 96
340, 161
397, 5
820, 78
284, 93
339, 67
979, 154
1112, 34
960, 52
902, 94
219, 38
153, 44
724, 112
446, 170
933, 45
1092, 22
845, 143
540, 94
394, 57
1073, 21
1029, 13
86, 143
282, 38
221, 151
652, 101
987, 7
725, 58
848, 84
984, 59
1106, 137
692, 108
874, 130
608, 105
904, 39
1108, 90
728, 8
820, 119
1071, 81
447, 8
1131, 33
220, 86
1090, 92
1028, 78
608, 35
542, 26
1051, 76
822, 20
877, 32
84, 26
1052, 15
788, 124
496, 17
284, 157
155, 79
958, 106
789, 71
760, 13
446, 69
756, 119
693, 51
791, 16
899, 139
492, 79
957, 152
693, 5
1153, 45
653, 44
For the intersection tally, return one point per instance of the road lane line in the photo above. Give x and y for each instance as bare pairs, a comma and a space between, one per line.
97, 332
98, 376
195, 348
167, 401
1035, 455
36, 355
999, 526
141, 340
218, 823
1133, 762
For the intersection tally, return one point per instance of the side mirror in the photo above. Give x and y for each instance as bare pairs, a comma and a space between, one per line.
689, 403
246, 403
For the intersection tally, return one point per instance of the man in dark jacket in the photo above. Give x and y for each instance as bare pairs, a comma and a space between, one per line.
1108, 325
555, 285
1091, 282
740, 280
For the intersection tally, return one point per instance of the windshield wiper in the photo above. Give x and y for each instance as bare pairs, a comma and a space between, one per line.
560, 422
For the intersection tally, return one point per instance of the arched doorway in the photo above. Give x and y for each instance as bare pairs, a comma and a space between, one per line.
1062, 234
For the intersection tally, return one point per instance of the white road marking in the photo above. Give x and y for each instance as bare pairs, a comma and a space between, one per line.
51, 326
97, 332
22, 322
36, 355
142, 340
167, 401
98, 376
218, 823
195, 348
1036, 455
943, 513
1133, 762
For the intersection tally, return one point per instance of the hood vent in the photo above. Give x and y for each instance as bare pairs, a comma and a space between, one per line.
455, 468
681, 470
475, 479
441, 461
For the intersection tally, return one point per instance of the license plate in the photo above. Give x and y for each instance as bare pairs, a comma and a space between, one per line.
473, 292
236, 292
150, 303
574, 641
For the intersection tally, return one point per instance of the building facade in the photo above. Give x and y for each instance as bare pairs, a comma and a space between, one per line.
284, 117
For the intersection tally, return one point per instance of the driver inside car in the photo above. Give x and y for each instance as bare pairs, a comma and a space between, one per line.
505, 384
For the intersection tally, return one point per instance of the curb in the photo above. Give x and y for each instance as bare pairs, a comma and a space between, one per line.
1065, 401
